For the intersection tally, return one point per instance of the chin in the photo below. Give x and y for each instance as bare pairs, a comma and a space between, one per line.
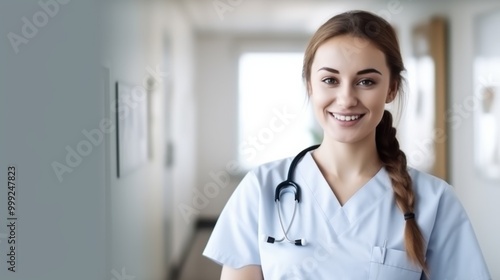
352, 137
345, 139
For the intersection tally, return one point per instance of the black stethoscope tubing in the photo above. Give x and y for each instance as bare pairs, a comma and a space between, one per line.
290, 183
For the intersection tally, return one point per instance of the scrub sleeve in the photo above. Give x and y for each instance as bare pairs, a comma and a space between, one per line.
234, 241
453, 251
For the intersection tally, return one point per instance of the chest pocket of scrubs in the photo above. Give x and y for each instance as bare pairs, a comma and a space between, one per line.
389, 264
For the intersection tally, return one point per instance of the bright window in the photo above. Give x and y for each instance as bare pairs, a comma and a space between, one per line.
274, 113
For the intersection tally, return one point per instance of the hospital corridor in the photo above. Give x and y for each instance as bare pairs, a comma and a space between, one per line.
127, 126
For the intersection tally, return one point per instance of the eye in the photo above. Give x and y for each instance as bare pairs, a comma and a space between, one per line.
366, 82
329, 81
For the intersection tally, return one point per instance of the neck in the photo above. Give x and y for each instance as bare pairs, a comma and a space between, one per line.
348, 160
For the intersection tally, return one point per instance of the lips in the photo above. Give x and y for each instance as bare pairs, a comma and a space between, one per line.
347, 118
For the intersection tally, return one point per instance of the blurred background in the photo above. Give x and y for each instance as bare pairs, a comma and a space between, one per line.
131, 122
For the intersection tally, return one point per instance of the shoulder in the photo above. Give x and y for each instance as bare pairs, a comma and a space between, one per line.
425, 182
431, 190
271, 171
259, 180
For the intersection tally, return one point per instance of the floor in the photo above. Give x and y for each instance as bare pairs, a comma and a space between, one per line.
196, 266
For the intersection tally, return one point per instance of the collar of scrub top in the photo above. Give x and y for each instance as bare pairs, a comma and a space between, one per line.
289, 182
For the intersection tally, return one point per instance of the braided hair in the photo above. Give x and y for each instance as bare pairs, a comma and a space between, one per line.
394, 161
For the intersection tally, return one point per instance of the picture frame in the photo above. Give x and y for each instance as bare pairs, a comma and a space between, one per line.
131, 127
425, 133
486, 96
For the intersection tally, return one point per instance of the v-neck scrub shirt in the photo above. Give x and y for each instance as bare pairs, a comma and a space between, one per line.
362, 239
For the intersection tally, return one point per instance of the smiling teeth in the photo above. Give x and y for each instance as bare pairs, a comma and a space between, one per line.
346, 118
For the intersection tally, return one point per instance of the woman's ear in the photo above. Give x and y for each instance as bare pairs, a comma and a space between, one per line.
391, 95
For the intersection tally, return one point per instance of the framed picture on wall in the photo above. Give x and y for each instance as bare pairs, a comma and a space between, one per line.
131, 128
486, 98
424, 130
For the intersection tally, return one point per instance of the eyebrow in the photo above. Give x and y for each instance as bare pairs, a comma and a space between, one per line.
365, 71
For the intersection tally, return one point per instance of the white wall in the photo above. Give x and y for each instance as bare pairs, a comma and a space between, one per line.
217, 93
136, 233
217, 102
144, 200
184, 112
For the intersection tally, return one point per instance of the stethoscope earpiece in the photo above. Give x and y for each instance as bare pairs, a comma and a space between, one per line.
298, 242
301, 242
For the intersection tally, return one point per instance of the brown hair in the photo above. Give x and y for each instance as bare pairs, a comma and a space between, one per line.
360, 24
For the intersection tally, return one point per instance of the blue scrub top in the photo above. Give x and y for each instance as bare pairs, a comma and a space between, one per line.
362, 239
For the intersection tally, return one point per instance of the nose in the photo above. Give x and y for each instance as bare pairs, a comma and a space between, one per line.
346, 97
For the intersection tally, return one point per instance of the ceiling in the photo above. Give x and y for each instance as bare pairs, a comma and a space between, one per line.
281, 15
261, 15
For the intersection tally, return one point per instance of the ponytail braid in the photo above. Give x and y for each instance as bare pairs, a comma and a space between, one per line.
395, 163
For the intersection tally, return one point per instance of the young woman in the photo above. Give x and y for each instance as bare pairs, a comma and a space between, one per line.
351, 208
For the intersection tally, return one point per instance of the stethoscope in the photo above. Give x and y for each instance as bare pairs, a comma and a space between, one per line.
285, 185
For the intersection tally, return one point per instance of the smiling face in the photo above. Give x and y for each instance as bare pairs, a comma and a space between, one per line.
349, 85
